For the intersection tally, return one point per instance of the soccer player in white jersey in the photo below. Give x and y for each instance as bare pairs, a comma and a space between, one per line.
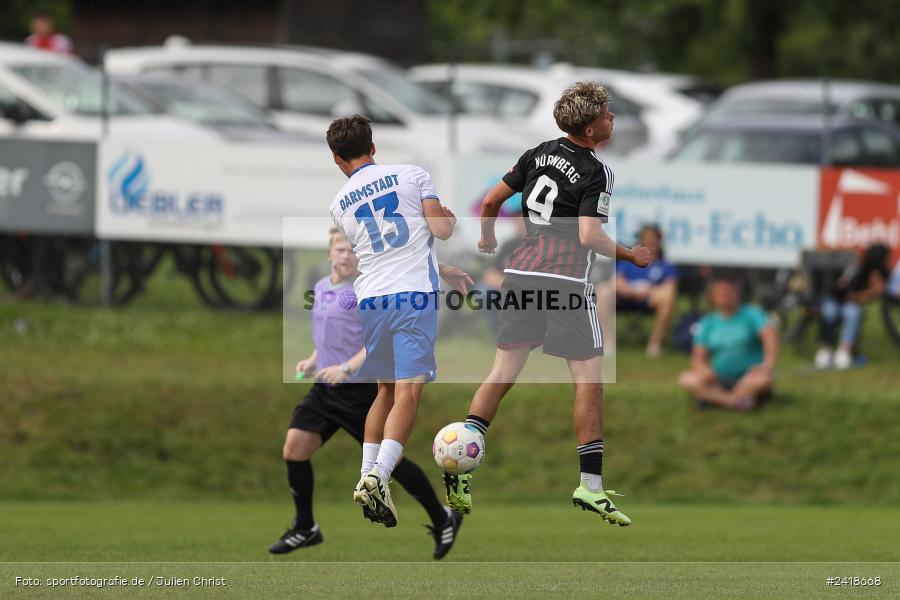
391, 215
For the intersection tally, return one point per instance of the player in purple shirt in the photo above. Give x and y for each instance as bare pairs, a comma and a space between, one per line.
338, 401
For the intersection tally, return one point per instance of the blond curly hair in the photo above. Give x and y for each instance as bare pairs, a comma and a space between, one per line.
580, 104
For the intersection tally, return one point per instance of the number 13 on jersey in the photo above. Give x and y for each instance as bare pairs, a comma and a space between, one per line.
386, 204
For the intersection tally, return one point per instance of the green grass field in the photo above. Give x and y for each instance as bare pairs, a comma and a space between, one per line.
508, 551
146, 442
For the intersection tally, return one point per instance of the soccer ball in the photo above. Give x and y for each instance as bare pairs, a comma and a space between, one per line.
458, 448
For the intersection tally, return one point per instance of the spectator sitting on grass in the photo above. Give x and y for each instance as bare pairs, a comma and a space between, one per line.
865, 282
652, 289
735, 348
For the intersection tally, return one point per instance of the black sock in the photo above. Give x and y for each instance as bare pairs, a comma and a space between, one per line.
300, 478
590, 456
414, 481
478, 423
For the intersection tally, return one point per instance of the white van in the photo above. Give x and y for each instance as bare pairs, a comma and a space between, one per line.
306, 88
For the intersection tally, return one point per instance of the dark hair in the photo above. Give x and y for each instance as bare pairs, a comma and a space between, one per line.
350, 137
653, 228
733, 277
875, 259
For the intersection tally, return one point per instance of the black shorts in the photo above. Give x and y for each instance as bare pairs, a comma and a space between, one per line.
630, 305
325, 409
557, 313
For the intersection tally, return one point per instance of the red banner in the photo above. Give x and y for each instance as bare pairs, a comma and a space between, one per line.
859, 207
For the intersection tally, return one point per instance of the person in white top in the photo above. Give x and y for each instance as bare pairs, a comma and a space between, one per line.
390, 214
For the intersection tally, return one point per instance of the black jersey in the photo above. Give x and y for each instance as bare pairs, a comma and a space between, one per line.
560, 181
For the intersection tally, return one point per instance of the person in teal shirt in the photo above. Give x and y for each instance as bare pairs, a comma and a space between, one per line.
734, 354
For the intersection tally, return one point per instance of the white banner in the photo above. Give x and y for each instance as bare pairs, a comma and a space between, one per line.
759, 216
223, 193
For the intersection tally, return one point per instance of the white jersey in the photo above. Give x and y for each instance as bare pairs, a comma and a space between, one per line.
380, 212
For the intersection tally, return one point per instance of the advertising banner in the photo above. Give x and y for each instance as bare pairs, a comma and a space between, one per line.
859, 207
47, 187
760, 216
224, 193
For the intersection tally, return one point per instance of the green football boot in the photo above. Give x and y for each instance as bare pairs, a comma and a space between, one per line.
600, 503
459, 496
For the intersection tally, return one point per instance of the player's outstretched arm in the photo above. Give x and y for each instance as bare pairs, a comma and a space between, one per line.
490, 208
336, 374
456, 277
439, 219
591, 235
307, 366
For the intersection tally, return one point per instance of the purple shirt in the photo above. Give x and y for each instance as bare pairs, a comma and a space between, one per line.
336, 327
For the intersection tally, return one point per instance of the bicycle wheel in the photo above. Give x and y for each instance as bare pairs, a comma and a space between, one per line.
245, 278
78, 270
890, 313
15, 261
193, 261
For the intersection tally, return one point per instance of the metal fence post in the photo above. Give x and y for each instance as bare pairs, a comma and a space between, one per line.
105, 245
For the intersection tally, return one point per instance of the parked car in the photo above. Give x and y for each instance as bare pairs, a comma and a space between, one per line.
210, 105
801, 139
650, 109
46, 95
670, 103
306, 88
859, 99
523, 97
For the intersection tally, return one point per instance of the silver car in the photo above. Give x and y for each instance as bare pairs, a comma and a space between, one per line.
855, 99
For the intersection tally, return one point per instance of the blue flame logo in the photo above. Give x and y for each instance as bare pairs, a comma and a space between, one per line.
128, 182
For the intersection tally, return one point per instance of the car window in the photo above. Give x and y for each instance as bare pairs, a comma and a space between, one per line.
8, 102
397, 84
515, 103
79, 89
769, 146
889, 110
250, 81
846, 148
881, 148
699, 147
6, 96
438, 87
622, 106
204, 103
311, 92
751, 146
378, 113
882, 109
476, 98
726, 108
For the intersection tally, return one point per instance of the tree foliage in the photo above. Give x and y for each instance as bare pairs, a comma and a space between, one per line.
724, 40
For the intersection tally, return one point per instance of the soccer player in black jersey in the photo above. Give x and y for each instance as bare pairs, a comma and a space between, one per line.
566, 193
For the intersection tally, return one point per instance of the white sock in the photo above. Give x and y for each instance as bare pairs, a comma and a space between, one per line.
370, 453
388, 456
592, 482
